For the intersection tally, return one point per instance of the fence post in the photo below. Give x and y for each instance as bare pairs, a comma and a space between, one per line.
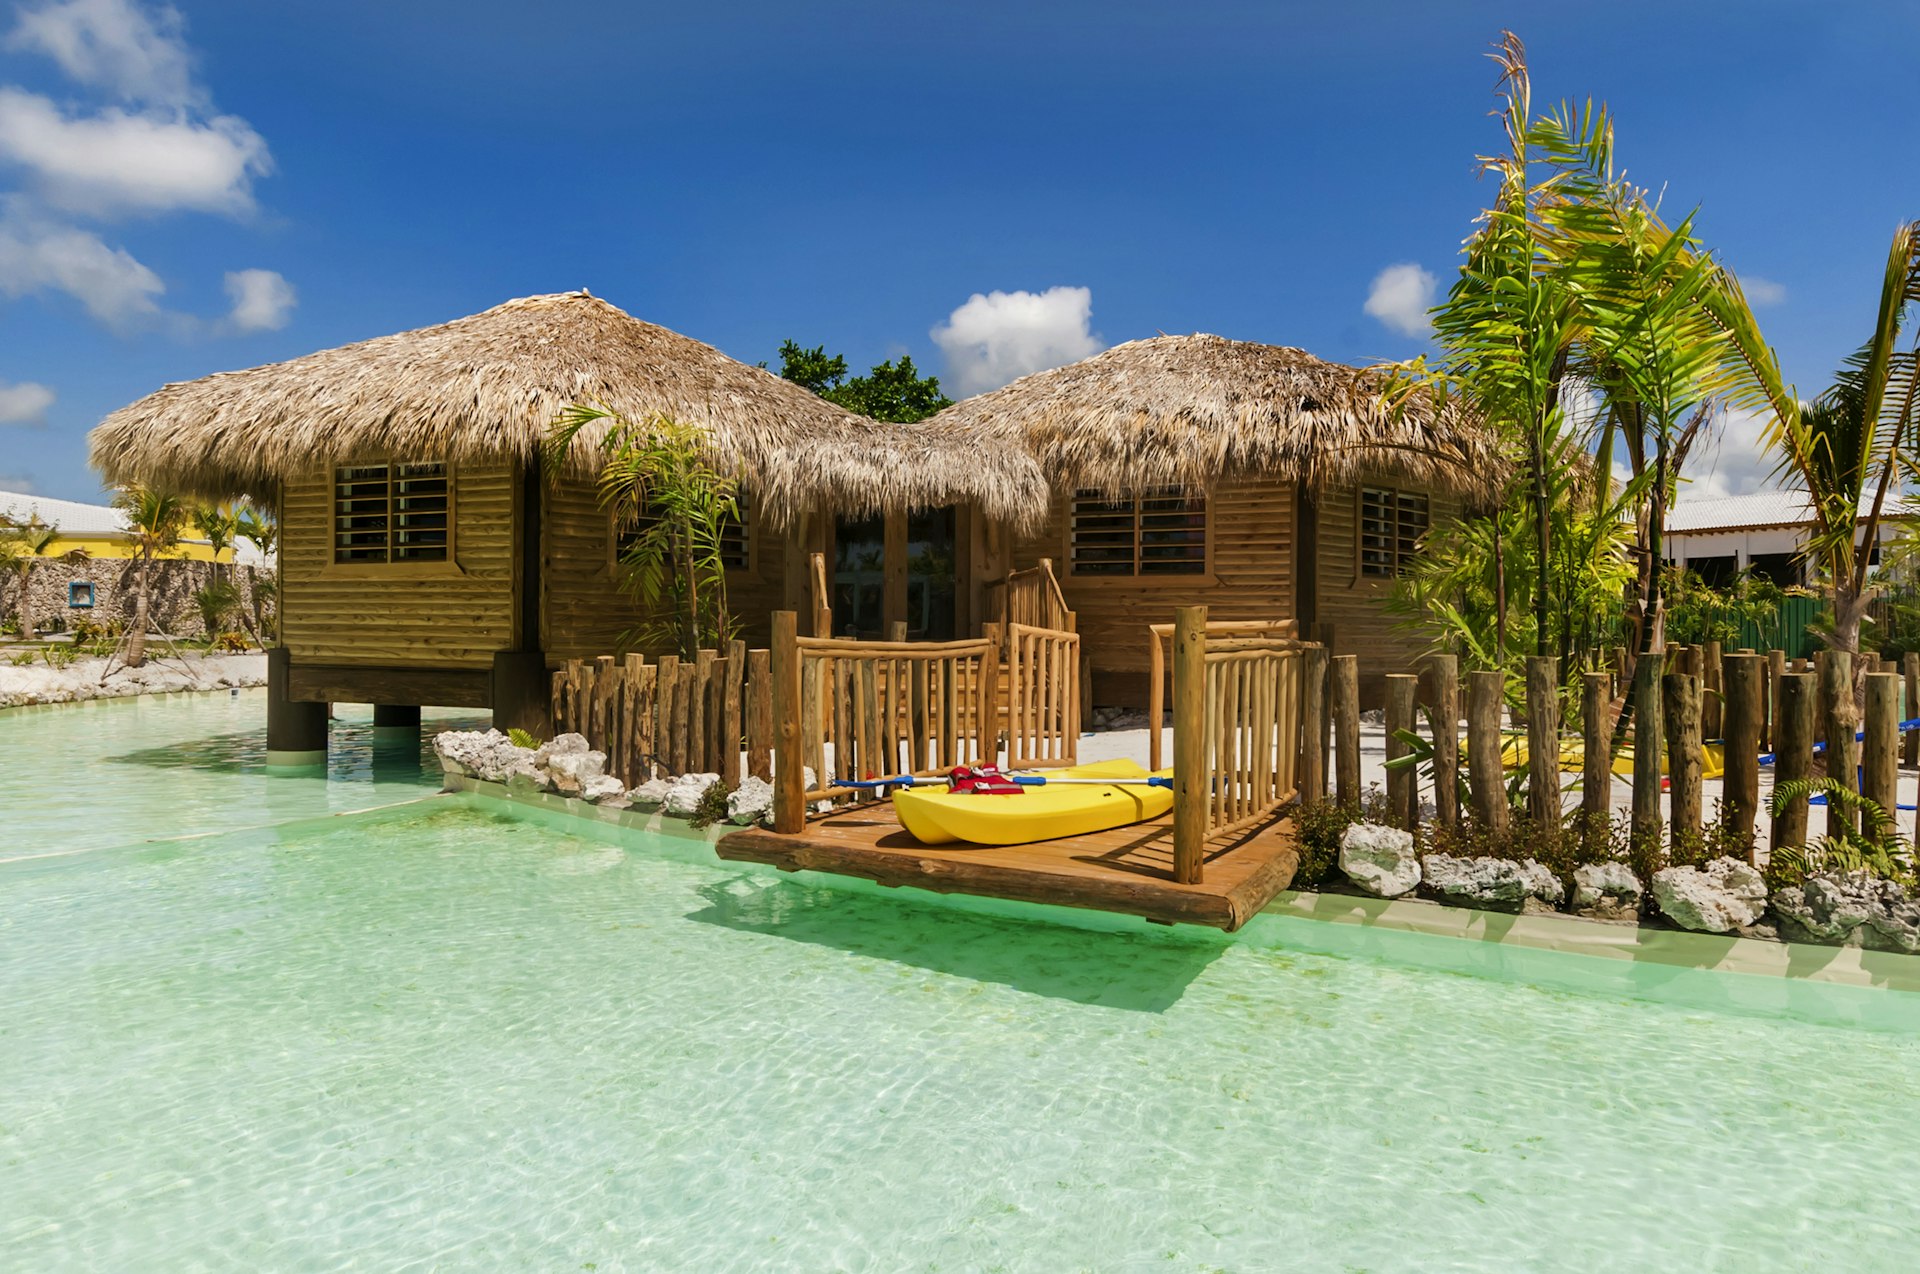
760, 714
1880, 751
1596, 770
666, 682
789, 781
1444, 672
1681, 702
731, 728
1486, 693
1346, 728
1910, 741
1646, 751
1403, 785
1713, 702
1843, 752
1740, 798
1543, 740
1190, 779
1776, 668
1793, 755
1313, 738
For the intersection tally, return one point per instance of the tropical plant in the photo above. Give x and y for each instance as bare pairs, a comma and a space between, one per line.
522, 738
1861, 836
1698, 613
22, 545
217, 600
219, 526
1850, 448
155, 519
661, 480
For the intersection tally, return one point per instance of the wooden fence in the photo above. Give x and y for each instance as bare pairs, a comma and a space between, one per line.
1158, 637
1804, 718
672, 716
1031, 597
1043, 697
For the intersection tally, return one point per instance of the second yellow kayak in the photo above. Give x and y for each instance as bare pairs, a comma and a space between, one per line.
936, 816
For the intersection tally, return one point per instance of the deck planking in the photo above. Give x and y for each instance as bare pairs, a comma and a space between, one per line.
1126, 870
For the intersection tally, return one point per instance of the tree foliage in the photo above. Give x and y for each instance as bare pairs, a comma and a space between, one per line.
894, 391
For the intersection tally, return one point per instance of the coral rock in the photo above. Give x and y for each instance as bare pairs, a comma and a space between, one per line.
1380, 860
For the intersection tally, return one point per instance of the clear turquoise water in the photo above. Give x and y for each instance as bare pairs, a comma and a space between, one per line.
436, 1037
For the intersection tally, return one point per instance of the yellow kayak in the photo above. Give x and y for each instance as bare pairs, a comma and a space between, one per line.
936, 816
1513, 756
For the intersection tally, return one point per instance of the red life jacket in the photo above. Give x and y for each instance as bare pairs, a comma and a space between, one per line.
982, 780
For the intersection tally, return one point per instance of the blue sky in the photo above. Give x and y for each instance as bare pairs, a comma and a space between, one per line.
217, 185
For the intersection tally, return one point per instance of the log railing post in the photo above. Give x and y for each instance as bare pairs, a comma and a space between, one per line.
1713, 716
789, 785
1346, 729
1596, 769
1543, 740
1880, 750
1487, 781
1313, 737
1403, 782
1792, 754
1191, 796
1685, 755
1444, 673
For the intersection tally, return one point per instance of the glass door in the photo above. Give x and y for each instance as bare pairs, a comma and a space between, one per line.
931, 576
859, 577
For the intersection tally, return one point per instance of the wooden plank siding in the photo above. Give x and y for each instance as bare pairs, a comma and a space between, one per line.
1250, 534
1353, 605
586, 611
454, 615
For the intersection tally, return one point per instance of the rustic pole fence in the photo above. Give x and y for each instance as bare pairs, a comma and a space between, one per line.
1403, 782
1346, 728
1596, 769
1742, 678
1681, 703
1443, 673
1313, 734
1792, 755
1843, 751
1880, 750
1543, 741
1486, 778
1646, 829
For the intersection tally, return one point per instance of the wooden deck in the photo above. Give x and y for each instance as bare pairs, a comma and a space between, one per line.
1126, 870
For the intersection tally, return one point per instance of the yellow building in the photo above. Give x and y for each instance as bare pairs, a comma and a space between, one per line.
100, 530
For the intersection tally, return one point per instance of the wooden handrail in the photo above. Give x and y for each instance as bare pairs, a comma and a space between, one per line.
1221, 634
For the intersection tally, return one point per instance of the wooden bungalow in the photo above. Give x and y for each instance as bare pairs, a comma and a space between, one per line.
1256, 479
426, 558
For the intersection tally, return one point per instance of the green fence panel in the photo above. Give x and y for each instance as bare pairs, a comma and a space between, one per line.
1789, 631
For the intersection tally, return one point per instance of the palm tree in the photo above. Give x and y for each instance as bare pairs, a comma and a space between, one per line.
154, 519
1853, 444
22, 550
219, 526
257, 525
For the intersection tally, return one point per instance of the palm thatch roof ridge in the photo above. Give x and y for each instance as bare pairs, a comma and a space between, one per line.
488, 387
1188, 411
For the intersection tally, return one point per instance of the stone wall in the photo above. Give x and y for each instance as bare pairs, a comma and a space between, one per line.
171, 607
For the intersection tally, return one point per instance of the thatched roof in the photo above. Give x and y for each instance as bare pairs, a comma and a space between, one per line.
1188, 411
488, 387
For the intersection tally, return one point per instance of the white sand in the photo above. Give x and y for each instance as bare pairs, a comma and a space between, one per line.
39, 682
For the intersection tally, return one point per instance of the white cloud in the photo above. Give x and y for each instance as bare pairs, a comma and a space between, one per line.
117, 162
1400, 297
1731, 459
114, 46
38, 257
1002, 336
1762, 291
263, 300
25, 403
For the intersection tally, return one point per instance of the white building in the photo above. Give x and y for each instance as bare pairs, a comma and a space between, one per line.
1765, 532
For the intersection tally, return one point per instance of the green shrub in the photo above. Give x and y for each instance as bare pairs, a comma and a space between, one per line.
1321, 824
712, 807
1570, 844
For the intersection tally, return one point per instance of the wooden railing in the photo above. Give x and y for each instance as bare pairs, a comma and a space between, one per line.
672, 716
1236, 733
1158, 637
1031, 597
1043, 697
875, 709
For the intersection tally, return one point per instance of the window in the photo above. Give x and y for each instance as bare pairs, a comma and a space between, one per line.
1159, 534
1392, 524
735, 537
80, 594
392, 513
